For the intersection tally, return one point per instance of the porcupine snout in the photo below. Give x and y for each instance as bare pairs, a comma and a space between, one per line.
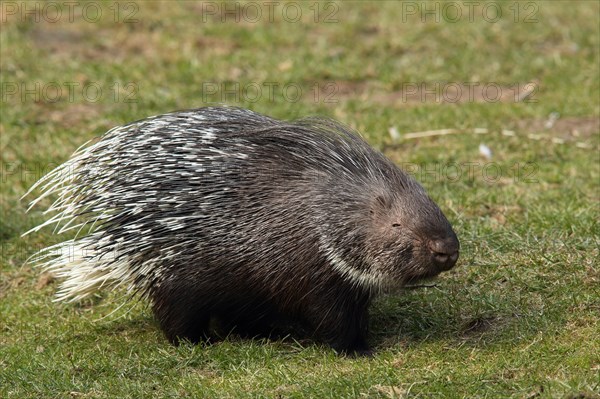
444, 251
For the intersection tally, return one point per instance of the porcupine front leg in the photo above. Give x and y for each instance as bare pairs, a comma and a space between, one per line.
182, 311
343, 324
347, 331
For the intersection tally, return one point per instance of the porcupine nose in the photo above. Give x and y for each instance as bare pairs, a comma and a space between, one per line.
444, 251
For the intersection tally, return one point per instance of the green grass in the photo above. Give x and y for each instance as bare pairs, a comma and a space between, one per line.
518, 317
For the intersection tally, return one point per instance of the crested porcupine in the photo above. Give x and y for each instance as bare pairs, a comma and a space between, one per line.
224, 214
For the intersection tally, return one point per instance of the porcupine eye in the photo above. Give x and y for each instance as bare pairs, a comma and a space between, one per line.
396, 225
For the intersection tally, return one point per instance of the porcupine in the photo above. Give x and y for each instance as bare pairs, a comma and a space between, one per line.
221, 213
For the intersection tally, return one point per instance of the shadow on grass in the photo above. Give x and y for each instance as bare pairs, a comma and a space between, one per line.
408, 318
416, 316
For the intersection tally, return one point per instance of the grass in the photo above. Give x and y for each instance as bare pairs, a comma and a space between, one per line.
518, 317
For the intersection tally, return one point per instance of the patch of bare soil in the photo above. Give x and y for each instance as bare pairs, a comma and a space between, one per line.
82, 42
70, 116
456, 93
44, 280
63, 40
414, 94
215, 45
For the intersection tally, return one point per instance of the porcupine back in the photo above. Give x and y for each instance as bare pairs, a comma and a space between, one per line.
152, 194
